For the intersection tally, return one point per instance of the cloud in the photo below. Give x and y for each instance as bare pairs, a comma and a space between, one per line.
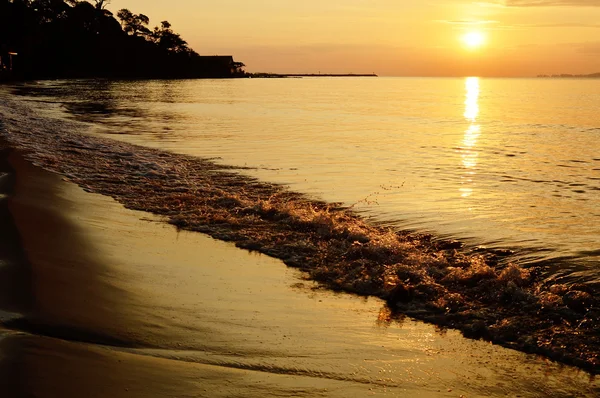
548, 3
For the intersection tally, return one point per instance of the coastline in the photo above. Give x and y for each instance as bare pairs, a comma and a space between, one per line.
125, 305
430, 280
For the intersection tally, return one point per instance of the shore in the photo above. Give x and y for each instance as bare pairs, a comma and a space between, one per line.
105, 301
481, 293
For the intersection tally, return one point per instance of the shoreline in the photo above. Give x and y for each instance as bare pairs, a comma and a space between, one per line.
432, 281
191, 312
266, 75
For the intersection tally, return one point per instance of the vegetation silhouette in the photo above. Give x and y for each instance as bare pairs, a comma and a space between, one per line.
48, 39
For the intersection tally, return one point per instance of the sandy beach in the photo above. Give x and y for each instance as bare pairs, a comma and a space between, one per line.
103, 301
414, 211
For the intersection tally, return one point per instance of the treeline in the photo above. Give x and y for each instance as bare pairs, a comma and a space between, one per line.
568, 75
71, 38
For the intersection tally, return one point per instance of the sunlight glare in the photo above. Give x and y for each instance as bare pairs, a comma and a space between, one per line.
473, 40
472, 99
470, 154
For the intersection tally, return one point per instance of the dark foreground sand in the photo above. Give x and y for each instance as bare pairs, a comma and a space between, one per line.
100, 301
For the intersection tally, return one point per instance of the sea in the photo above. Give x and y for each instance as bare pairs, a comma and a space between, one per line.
511, 164
506, 165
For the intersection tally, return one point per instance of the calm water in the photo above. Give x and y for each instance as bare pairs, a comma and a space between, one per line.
511, 163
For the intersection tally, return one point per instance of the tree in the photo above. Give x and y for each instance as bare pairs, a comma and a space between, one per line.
101, 4
48, 11
134, 24
80, 38
168, 40
239, 68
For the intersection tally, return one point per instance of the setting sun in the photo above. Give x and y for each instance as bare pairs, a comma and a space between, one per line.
473, 40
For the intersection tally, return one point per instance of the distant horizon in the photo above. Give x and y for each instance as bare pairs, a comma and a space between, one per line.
538, 76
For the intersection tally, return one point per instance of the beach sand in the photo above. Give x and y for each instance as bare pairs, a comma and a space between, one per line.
101, 301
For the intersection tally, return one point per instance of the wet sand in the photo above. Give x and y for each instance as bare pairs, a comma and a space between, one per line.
480, 292
102, 301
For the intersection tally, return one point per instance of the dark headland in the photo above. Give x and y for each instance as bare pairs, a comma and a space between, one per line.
77, 39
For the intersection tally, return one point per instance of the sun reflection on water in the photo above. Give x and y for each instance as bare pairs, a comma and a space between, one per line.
469, 143
472, 99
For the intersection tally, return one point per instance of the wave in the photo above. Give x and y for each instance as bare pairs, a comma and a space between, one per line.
479, 292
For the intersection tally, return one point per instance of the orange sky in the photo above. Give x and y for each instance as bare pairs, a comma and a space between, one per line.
389, 37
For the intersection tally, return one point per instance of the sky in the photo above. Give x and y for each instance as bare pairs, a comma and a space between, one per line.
389, 37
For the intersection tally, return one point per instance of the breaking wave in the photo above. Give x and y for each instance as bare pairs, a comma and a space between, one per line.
482, 293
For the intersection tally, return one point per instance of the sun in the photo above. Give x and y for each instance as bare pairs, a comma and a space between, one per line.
473, 40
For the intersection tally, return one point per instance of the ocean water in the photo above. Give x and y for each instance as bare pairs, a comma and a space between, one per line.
499, 163
124, 307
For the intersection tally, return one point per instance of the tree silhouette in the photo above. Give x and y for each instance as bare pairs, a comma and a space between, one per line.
168, 40
134, 24
101, 4
49, 11
75, 38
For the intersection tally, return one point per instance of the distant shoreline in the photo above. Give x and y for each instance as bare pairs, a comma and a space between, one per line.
566, 75
284, 75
